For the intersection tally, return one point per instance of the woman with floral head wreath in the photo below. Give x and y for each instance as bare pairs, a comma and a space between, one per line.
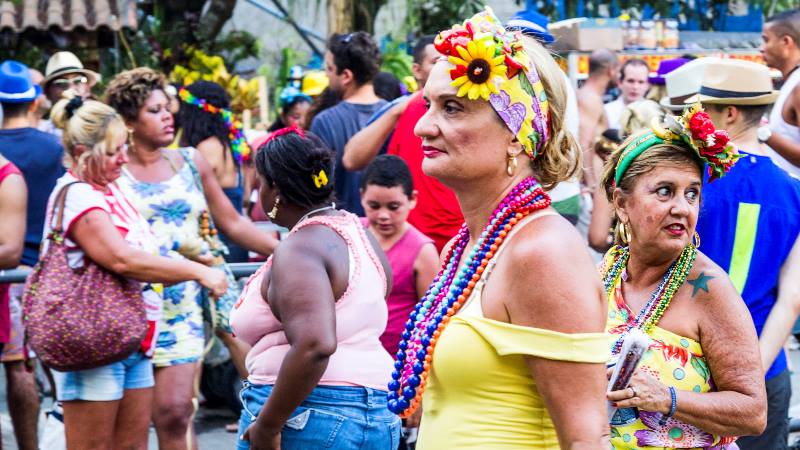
700, 383
178, 193
486, 356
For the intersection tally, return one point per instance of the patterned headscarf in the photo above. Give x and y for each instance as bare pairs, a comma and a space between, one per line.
491, 63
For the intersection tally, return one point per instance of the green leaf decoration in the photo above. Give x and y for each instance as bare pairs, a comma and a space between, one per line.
526, 84
614, 433
700, 367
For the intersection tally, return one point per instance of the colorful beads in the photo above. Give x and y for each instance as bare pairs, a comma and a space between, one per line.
449, 291
239, 146
661, 297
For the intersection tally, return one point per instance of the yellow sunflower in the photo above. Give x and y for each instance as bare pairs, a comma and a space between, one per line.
476, 68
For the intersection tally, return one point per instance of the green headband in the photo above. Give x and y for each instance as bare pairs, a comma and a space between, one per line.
632, 151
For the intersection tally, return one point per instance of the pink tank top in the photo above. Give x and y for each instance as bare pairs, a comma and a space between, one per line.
361, 316
403, 297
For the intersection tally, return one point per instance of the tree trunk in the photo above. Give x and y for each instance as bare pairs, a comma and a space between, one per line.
214, 19
345, 16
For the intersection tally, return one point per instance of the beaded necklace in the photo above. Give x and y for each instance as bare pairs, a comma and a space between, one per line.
661, 297
448, 293
239, 146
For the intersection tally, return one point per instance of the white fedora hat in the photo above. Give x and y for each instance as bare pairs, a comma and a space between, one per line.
684, 82
62, 63
735, 82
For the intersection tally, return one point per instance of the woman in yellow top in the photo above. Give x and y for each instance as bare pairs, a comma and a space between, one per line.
508, 343
700, 383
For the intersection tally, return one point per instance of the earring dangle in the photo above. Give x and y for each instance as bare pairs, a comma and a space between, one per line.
273, 213
626, 234
511, 165
696, 240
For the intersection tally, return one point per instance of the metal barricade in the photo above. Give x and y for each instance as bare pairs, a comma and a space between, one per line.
240, 270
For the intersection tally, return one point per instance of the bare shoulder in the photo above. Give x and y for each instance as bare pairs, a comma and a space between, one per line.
551, 275
713, 292
211, 145
314, 240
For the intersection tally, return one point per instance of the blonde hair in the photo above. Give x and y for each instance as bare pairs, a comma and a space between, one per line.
639, 116
94, 125
659, 155
560, 159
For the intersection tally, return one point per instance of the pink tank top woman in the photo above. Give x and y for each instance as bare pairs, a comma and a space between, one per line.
361, 315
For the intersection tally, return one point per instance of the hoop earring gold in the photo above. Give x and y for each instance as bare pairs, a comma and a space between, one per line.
696, 240
273, 213
626, 234
511, 165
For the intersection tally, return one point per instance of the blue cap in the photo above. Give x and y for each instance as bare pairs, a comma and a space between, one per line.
16, 85
289, 94
532, 24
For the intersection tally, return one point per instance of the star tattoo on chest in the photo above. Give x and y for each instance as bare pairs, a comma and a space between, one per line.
701, 282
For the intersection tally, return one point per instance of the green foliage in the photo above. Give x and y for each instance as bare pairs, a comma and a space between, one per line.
432, 16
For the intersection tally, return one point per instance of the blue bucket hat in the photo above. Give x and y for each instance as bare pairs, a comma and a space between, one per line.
16, 85
532, 24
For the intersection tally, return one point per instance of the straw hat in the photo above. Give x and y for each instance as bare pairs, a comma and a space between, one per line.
683, 83
63, 63
735, 82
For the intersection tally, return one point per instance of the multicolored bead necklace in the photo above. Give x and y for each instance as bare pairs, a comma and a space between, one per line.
239, 146
661, 297
449, 291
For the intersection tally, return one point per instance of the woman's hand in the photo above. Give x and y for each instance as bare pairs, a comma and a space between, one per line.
262, 439
643, 392
215, 281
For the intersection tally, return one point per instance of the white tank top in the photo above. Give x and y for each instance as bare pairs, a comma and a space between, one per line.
778, 125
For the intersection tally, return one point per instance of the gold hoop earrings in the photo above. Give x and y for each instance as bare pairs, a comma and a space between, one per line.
696, 239
273, 213
511, 165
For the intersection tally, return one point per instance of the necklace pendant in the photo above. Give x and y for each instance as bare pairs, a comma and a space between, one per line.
625, 276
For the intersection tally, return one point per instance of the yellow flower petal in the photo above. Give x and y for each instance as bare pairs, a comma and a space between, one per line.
464, 53
497, 61
459, 81
462, 91
472, 49
493, 87
456, 61
485, 91
474, 90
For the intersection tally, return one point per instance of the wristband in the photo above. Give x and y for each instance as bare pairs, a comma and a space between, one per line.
672, 408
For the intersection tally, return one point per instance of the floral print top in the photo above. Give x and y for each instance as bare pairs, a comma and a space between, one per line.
674, 361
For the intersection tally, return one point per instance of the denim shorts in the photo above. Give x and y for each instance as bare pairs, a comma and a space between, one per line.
105, 383
331, 417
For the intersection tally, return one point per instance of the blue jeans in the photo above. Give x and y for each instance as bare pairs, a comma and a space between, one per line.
331, 417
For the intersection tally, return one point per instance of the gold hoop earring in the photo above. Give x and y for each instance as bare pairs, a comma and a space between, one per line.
131, 147
696, 240
626, 234
511, 165
273, 213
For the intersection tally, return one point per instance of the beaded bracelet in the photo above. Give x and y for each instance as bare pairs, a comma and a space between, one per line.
672, 408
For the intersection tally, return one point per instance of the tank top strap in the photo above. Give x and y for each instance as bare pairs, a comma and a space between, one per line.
8, 169
473, 305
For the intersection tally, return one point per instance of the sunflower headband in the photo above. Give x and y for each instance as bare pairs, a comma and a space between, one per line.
693, 130
239, 146
491, 63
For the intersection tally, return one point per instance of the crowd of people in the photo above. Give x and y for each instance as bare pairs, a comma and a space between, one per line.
461, 267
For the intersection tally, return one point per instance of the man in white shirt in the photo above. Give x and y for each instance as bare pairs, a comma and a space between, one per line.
781, 51
633, 83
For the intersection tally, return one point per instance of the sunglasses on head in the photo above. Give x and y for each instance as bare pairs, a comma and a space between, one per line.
66, 83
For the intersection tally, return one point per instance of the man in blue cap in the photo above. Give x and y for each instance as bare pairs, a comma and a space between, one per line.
38, 155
